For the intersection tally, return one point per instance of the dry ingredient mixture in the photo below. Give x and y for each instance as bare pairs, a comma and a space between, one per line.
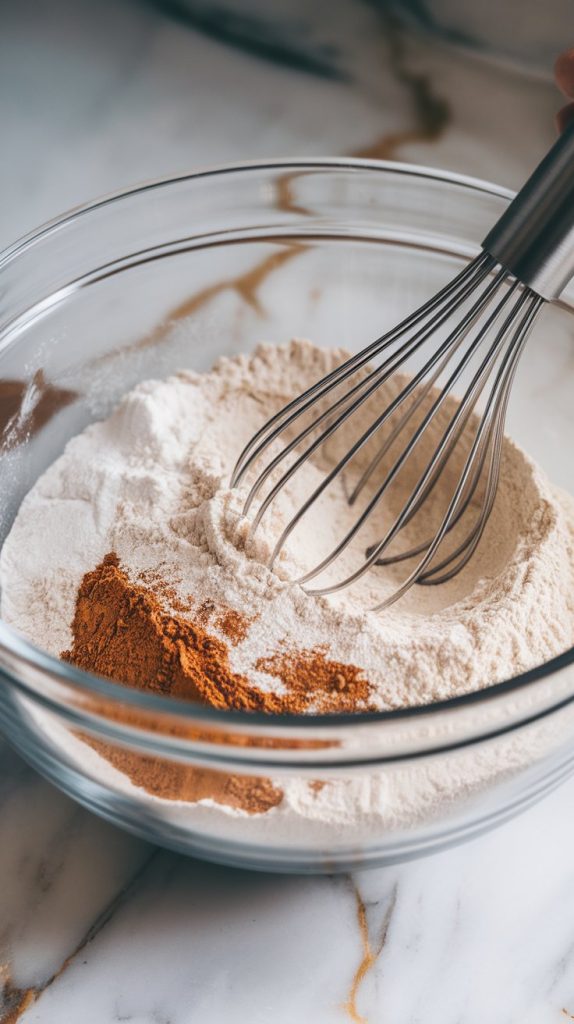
130, 558
122, 630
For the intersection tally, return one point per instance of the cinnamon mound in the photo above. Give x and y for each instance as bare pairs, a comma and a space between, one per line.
122, 630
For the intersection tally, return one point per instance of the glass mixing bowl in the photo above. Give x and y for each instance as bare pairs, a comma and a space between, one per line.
173, 275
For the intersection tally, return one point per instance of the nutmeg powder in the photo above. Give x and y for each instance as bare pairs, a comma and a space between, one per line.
123, 630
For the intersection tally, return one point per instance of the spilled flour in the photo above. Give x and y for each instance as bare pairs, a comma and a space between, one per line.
151, 485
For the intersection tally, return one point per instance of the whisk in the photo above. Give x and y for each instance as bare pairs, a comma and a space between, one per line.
473, 330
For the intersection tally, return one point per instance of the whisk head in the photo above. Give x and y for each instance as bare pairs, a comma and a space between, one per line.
384, 431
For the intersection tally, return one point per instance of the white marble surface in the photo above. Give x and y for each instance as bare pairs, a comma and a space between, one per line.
95, 926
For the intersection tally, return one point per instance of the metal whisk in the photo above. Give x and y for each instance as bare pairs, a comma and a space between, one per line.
473, 331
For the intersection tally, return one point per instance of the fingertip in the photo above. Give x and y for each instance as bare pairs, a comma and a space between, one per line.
564, 72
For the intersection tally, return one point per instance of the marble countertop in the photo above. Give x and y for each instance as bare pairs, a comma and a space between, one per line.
96, 926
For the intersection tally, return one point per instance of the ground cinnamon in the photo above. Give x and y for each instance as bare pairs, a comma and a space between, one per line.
170, 780
125, 631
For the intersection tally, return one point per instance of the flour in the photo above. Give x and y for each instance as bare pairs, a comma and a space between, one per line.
151, 484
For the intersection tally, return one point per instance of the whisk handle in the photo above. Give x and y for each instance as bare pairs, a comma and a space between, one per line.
534, 238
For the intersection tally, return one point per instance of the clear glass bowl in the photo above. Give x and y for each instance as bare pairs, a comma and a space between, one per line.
336, 250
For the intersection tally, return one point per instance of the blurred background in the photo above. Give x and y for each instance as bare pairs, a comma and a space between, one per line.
98, 96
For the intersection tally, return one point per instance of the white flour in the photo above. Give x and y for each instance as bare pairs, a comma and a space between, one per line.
150, 483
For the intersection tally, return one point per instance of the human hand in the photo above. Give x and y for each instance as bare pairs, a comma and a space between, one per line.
564, 75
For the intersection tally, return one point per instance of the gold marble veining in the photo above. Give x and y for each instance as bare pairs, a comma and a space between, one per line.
369, 955
15, 1000
285, 199
432, 113
246, 286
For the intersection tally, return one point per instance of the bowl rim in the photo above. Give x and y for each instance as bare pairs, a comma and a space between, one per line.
88, 683
48, 227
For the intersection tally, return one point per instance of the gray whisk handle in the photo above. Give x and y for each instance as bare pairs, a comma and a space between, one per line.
534, 238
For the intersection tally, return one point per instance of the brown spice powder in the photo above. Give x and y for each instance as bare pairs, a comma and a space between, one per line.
123, 631
228, 621
312, 679
170, 780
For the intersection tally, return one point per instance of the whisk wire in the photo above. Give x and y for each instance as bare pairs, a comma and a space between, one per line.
498, 399
489, 445
409, 388
463, 411
368, 386
491, 301
529, 255
465, 281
